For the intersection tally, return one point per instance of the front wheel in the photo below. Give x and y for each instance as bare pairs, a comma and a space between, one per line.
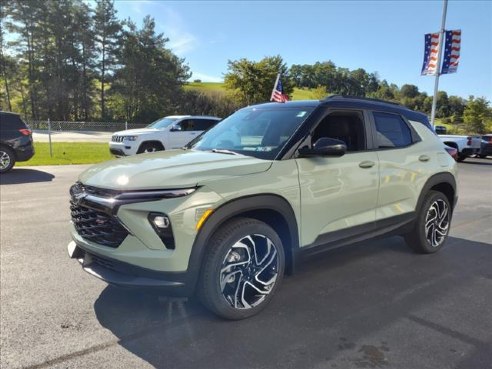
242, 270
461, 157
147, 147
432, 225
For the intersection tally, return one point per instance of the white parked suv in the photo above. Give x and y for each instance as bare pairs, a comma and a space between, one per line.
171, 132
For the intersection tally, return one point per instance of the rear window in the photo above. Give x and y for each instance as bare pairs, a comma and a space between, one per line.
11, 122
392, 131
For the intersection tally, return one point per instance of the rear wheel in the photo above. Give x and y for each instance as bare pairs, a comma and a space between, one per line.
7, 159
432, 225
150, 147
242, 270
461, 157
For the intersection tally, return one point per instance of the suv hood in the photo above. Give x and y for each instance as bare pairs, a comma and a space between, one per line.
170, 169
136, 131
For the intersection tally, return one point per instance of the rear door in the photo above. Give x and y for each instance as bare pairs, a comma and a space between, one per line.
405, 162
339, 194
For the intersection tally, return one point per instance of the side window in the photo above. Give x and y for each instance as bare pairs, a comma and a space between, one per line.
204, 124
347, 126
187, 125
11, 122
391, 130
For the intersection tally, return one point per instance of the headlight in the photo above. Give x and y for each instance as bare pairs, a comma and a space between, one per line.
130, 138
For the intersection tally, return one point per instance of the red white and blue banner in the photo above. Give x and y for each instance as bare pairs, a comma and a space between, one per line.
430, 67
452, 46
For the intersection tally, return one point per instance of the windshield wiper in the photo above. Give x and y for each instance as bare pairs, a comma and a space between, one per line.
223, 151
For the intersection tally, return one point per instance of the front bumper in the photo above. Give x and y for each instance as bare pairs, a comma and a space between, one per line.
121, 274
123, 148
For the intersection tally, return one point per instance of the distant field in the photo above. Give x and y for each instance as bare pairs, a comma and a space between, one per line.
68, 153
206, 86
299, 94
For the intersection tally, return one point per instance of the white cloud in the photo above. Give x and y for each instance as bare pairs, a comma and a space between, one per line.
138, 6
205, 77
181, 41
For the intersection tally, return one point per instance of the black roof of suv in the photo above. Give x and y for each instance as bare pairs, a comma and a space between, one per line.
359, 103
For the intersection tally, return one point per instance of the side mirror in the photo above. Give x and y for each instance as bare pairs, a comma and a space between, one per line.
324, 147
176, 128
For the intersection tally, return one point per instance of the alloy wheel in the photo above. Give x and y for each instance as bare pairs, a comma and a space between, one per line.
437, 222
249, 271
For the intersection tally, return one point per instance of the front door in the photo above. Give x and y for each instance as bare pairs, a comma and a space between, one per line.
339, 194
182, 133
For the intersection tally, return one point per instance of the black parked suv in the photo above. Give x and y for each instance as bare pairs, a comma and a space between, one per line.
15, 141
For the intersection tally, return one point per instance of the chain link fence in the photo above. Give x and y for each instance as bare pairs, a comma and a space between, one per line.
65, 131
61, 126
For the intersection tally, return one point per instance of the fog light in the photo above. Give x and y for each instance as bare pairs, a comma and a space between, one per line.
161, 221
163, 227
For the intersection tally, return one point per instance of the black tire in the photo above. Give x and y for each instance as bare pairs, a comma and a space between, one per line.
432, 224
7, 159
482, 156
461, 157
147, 147
228, 273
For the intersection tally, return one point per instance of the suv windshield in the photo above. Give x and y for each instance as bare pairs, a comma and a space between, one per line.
259, 132
162, 123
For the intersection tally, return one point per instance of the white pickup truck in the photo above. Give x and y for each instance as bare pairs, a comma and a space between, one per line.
466, 145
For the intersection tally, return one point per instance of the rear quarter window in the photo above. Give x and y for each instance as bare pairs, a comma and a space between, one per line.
9, 122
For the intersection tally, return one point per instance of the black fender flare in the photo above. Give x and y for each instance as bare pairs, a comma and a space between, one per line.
234, 208
437, 179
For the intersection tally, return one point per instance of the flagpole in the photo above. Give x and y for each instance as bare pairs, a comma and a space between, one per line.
274, 86
438, 66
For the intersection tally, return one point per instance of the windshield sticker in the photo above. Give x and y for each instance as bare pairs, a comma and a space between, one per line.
301, 114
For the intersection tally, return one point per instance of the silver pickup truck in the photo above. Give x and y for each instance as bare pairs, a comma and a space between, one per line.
466, 145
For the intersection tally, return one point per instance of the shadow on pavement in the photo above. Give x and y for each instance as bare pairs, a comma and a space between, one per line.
339, 310
21, 175
476, 161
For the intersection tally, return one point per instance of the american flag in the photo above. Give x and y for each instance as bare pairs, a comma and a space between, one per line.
451, 52
430, 54
278, 92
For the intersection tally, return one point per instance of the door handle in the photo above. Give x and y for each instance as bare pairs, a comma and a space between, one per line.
366, 164
424, 158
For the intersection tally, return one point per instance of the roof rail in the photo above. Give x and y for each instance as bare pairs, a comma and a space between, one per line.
328, 98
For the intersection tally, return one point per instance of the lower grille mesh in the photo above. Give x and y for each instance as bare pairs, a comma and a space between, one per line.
97, 226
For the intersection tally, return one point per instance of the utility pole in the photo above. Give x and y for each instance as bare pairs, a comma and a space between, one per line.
439, 56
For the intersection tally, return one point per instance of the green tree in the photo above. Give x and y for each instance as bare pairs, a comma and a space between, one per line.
252, 82
477, 114
107, 30
150, 77
410, 91
25, 19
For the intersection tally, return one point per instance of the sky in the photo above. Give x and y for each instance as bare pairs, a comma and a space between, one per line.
386, 37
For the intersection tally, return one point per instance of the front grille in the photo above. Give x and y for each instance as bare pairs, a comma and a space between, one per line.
117, 138
97, 226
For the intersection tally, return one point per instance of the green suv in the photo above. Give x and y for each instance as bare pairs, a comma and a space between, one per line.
227, 216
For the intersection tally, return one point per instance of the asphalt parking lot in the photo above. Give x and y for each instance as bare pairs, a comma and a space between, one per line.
369, 305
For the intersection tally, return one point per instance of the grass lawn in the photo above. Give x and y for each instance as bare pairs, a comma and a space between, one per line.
206, 86
68, 153
298, 94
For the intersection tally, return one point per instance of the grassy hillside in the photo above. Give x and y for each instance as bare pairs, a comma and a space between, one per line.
206, 86
214, 87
